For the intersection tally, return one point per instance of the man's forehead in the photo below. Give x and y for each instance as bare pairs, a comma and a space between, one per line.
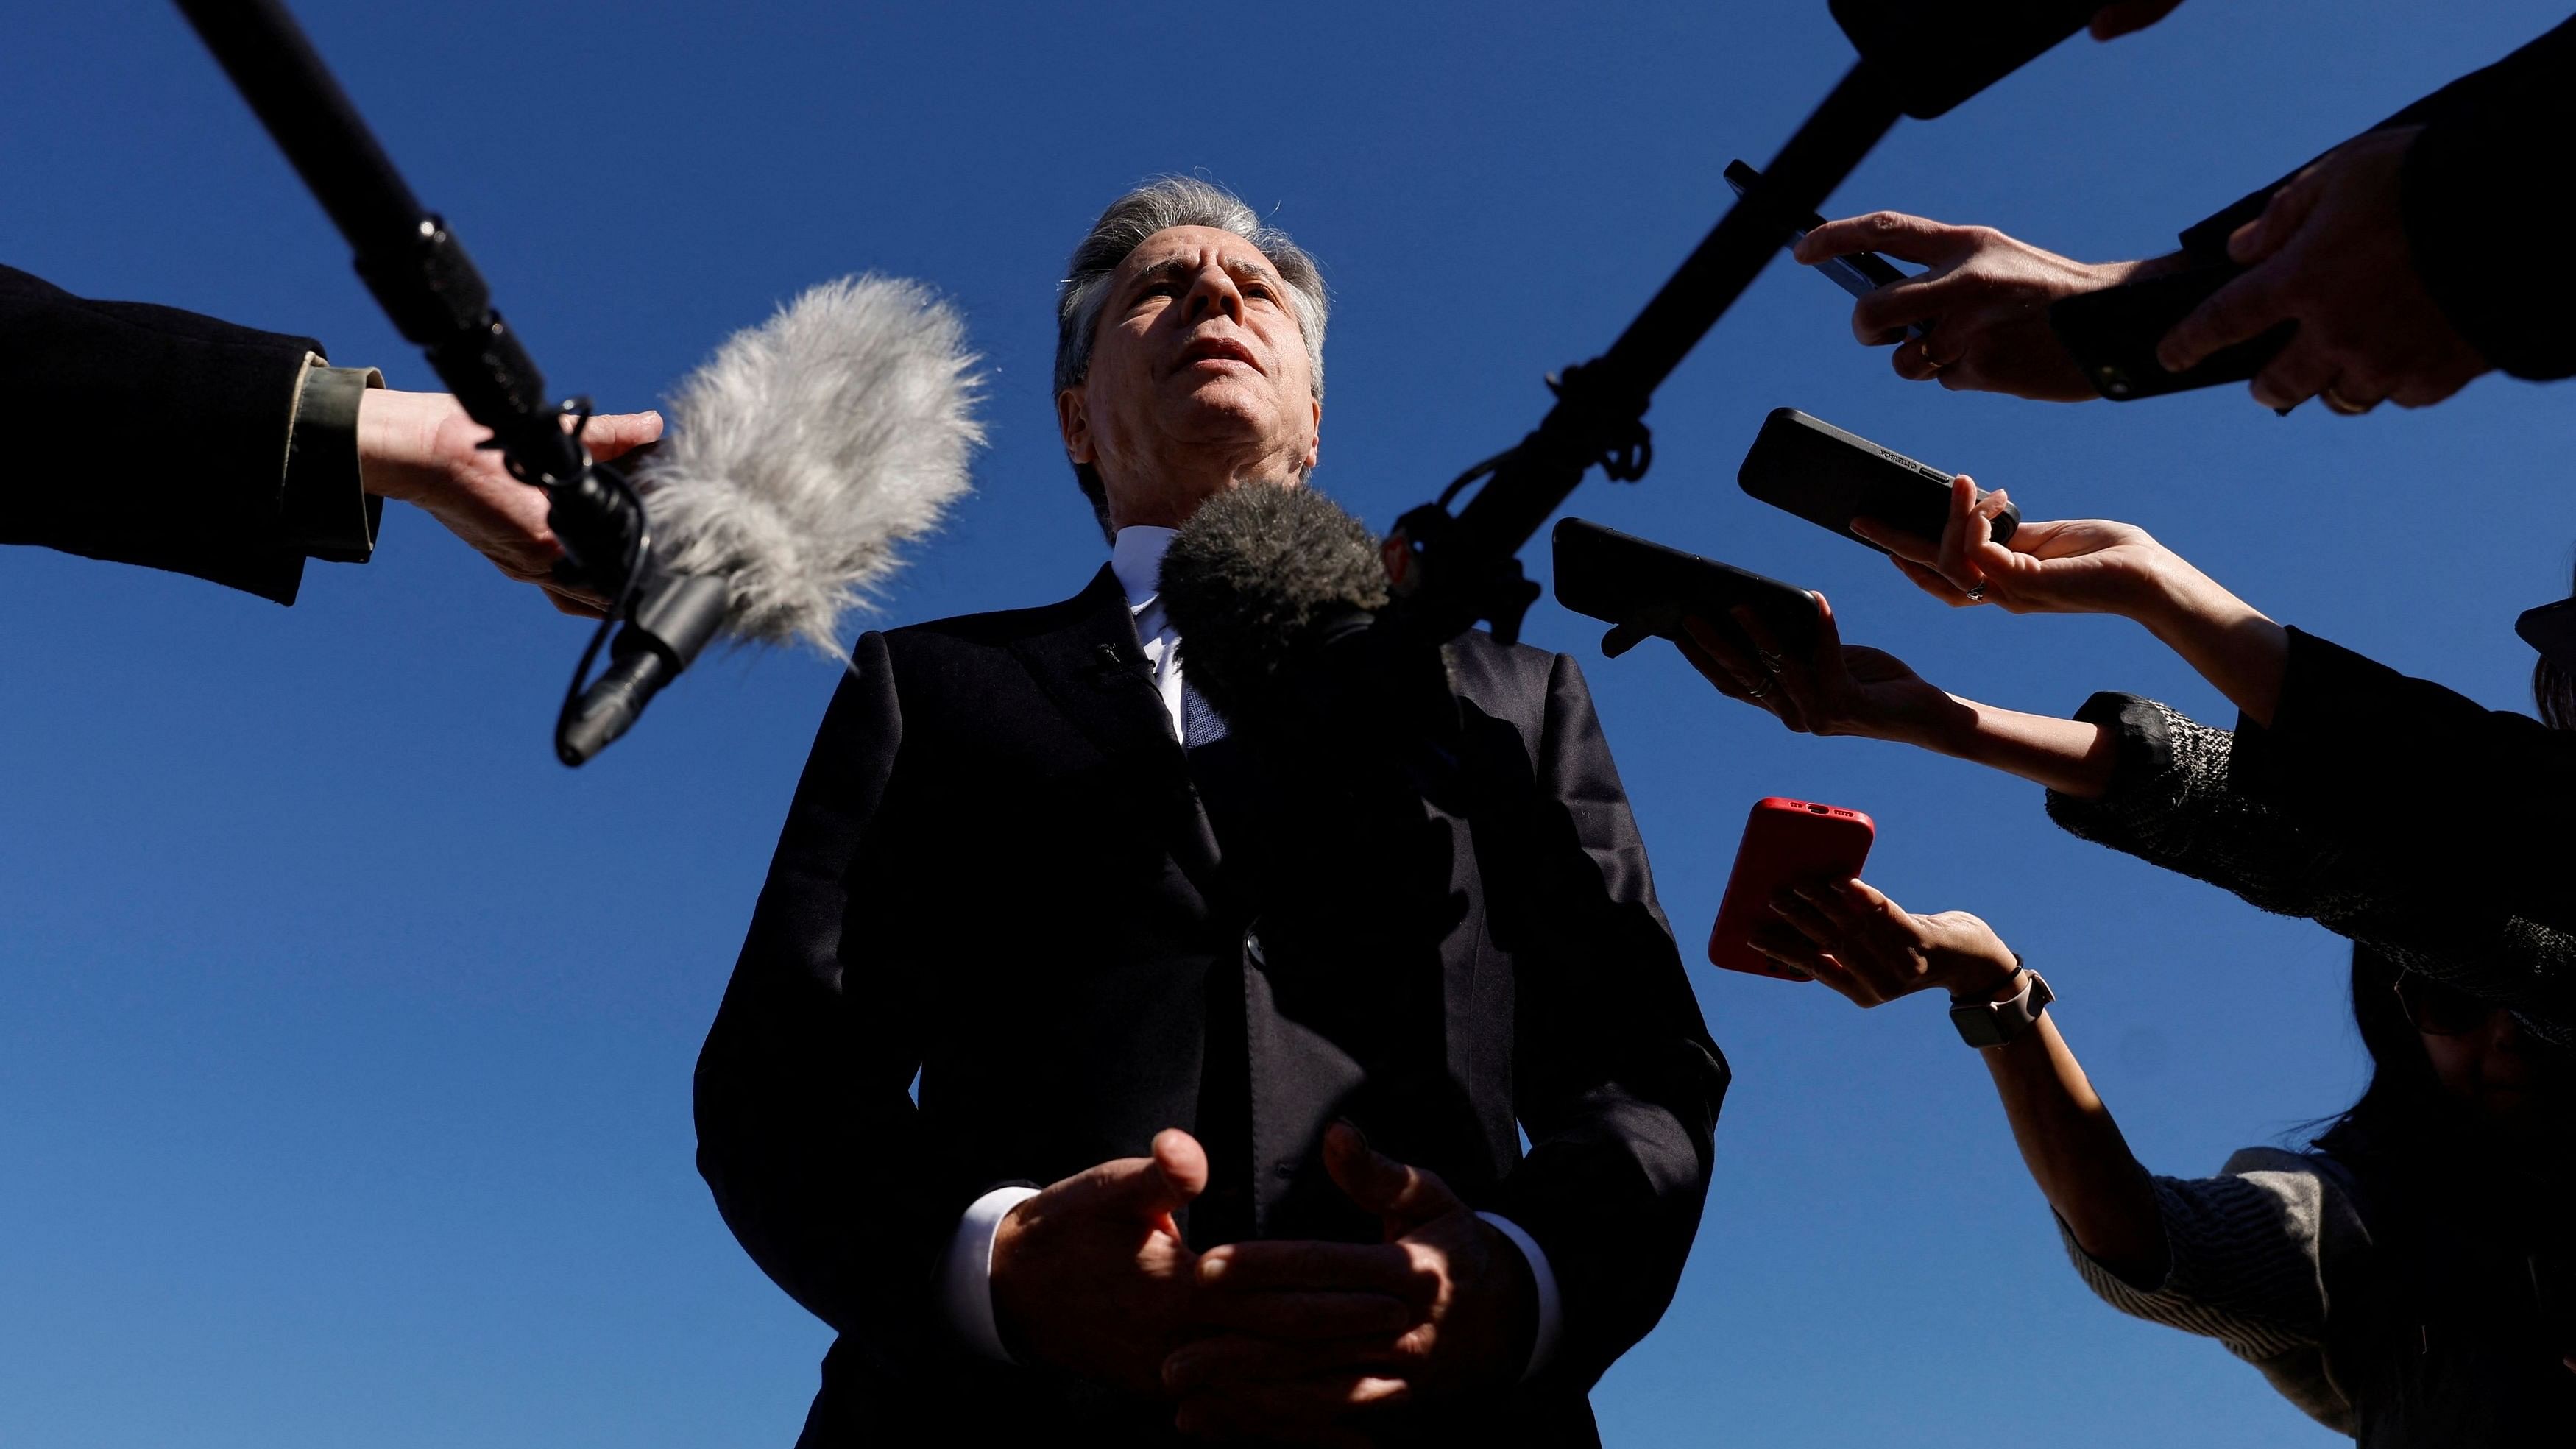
1189, 243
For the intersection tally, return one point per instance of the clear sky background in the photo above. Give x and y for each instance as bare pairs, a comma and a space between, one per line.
345, 1037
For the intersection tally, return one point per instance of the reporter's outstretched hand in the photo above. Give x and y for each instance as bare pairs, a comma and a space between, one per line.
1867, 947
1308, 1339
2330, 253
1984, 300
2074, 566
1091, 1275
1839, 689
421, 448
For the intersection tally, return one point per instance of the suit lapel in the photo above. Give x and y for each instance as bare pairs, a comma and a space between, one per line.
1094, 668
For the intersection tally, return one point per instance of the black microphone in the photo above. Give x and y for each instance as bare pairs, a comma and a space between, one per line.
800, 455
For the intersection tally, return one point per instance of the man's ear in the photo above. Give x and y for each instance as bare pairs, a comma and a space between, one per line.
1073, 419
1314, 438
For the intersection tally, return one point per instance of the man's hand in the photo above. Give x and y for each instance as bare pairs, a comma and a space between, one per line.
1872, 950
421, 448
2330, 253
1984, 303
1306, 1337
1091, 1275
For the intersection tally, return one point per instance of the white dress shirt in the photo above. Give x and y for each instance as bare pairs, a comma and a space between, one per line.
966, 1275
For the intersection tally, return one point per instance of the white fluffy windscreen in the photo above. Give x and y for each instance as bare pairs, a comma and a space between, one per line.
808, 447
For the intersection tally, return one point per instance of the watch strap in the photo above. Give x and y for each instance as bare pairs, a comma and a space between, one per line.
1985, 1023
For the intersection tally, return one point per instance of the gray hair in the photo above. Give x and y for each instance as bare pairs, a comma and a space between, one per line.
1159, 205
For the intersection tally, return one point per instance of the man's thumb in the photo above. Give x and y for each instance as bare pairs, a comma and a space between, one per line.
1164, 1182
1401, 1194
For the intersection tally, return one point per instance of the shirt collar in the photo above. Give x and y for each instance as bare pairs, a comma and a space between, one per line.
1137, 558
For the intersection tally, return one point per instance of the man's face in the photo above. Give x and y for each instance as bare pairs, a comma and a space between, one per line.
1198, 373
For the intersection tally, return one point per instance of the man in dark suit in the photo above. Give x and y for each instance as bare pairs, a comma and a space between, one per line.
147, 435
1015, 871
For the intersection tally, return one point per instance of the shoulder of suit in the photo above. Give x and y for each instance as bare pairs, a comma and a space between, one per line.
1477, 653
994, 629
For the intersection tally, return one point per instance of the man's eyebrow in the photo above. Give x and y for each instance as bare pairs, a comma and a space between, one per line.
1171, 267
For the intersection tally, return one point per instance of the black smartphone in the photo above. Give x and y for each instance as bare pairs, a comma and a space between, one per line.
2551, 629
2112, 334
1645, 588
1830, 477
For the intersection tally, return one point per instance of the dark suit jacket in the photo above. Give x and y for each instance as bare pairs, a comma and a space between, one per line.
997, 873
147, 435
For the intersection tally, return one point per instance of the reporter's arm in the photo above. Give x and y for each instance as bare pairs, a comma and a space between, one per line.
2075, 1152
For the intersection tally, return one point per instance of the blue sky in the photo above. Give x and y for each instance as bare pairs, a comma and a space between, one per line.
345, 1037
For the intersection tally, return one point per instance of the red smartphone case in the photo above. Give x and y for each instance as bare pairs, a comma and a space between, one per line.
1786, 842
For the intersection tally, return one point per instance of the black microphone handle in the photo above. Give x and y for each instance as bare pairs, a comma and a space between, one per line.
612, 704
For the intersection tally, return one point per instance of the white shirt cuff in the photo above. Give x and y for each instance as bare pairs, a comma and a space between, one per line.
966, 1274
1551, 1312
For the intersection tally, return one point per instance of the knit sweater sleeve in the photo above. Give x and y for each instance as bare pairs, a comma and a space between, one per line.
2172, 802
2254, 1259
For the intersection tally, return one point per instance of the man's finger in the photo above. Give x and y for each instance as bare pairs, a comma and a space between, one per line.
2283, 215
1144, 1188
1294, 1314
1268, 1266
1912, 360
1302, 1411
2246, 307
2298, 374
1913, 238
1399, 1192
609, 435
1243, 1358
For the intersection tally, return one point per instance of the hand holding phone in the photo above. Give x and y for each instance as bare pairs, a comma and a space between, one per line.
1859, 273
1647, 589
1786, 843
1830, 477
2113, 333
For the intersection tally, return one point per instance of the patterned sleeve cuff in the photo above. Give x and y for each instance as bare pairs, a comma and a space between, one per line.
324, 507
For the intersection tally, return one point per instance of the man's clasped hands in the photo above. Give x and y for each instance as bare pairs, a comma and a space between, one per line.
1275, 1339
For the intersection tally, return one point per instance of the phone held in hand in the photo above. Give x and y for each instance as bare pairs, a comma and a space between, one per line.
1647, 589
1786, 843
1860, 273
2112, 334
1829, 477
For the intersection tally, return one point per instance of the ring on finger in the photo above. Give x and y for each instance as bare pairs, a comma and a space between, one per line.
1976, 592
2333, 398
1770, 661
1754, 691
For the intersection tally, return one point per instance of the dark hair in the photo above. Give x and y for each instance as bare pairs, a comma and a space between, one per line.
2404, 1099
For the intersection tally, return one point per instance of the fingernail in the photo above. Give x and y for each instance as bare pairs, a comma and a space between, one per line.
1211, 1268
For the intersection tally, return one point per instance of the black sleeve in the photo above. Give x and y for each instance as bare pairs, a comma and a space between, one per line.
2465, 798
2513, 83
807, 1130
1616, 1081
147, 435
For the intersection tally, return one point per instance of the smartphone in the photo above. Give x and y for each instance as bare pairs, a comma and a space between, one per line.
1860, 274
2551, 629
1646, 589
1830, 477
1786, 843
2112, 334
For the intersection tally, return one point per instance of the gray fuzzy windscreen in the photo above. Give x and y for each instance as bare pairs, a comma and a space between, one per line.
1249, 572
810, 446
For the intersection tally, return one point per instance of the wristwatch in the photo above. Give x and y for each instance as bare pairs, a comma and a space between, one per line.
1985, 1023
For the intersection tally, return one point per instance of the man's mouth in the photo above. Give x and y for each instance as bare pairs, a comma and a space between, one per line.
1218, 349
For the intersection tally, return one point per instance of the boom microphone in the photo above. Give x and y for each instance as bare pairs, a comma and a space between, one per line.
801, 454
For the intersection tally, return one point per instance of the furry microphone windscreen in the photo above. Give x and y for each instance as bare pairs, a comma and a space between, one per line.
1247, 576
811, 445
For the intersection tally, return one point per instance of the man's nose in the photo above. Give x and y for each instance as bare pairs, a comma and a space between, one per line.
1214, 293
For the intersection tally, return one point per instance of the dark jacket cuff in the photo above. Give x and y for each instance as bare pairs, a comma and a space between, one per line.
2146, 781
324, 509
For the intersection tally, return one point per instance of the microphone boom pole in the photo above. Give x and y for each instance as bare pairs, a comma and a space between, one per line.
1918, 58
429, 287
